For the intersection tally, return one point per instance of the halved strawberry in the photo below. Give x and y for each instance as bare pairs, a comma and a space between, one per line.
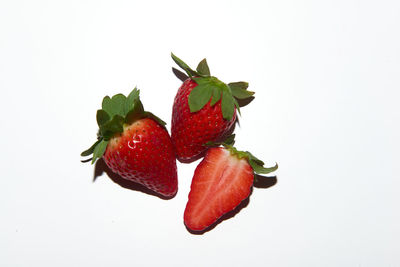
221, 181
204, 110
135, 144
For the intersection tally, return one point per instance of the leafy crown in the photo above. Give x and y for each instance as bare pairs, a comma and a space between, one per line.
114, 113
255, 163
209, 87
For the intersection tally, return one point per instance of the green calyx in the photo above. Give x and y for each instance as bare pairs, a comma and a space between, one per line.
255, 163
115, 112
209, 87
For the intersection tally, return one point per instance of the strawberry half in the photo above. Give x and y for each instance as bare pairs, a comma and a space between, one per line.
221, 181
204, 110
135, 144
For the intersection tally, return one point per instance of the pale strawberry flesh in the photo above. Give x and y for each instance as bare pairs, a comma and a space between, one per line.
220, 183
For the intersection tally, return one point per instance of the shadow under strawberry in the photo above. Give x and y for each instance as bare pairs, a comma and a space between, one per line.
259, 182
179, 74
101, 167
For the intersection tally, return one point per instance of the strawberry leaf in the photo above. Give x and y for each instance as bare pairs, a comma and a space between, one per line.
131, 100
102, 117
154, 117
256, 164
199, 96
230, 140
184, 66
211, 86
115, 125
204, 80
99, 150
260, 169
216, 96
136, 111
239, 90
253, 158
237, 106
241, 94
240, 85
91, 149
115, 105
203, 68
227, 105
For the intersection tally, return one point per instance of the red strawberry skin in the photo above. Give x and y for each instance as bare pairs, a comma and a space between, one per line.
221, 182
144, 153
190, 131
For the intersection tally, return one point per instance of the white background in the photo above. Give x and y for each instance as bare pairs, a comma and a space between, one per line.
326, 76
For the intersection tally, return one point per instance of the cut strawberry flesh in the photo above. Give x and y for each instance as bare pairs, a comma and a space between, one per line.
221, 181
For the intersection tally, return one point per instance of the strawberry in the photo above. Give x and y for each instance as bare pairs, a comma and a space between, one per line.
221, 181
204, 110
135, 144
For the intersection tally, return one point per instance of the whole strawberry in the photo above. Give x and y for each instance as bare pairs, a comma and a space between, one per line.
135, 144
204, 110
221, 181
